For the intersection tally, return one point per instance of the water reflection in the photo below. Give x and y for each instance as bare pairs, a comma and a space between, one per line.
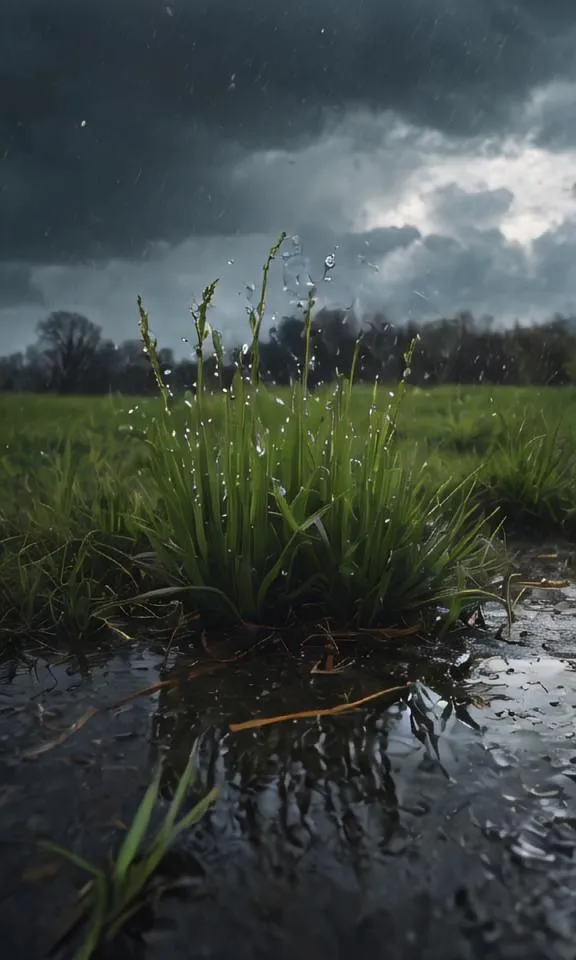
359, 782
445, 822
421, 823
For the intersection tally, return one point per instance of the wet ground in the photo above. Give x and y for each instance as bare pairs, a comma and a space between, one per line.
439, 826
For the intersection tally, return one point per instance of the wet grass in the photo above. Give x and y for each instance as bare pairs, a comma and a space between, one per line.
117, 893
271, 509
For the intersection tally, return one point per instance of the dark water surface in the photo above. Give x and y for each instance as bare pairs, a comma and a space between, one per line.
439, 827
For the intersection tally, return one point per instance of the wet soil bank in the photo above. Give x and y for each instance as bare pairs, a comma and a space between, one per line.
440, 827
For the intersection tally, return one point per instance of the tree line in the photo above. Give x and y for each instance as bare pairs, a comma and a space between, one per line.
72, 356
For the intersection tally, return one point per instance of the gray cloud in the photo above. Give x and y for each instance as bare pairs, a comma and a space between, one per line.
145, 144
17, 285
172, 93
549, 117
461, 210
398, 270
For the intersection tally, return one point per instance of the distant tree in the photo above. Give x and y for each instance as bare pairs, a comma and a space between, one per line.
71, 356
12, 372
67, 347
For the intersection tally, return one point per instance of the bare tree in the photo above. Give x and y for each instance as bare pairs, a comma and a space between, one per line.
68, 344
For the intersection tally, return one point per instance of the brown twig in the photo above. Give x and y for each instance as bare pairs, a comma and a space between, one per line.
319, 712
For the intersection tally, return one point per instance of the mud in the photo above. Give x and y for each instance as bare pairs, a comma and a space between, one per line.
442, 826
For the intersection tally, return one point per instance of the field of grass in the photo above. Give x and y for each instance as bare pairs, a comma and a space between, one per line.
351, 507
79, 477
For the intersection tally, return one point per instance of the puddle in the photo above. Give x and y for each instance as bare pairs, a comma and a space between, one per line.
443, 825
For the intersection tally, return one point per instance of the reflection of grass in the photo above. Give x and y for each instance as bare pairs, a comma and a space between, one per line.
116, 893
347, 505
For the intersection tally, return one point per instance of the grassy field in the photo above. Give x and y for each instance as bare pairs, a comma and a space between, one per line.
81, 479
349, 508
447, 419
452, 430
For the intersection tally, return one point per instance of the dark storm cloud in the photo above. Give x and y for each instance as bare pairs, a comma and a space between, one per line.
550, 119
17, 286
120, 119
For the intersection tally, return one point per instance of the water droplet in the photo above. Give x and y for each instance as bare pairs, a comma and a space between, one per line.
329, 264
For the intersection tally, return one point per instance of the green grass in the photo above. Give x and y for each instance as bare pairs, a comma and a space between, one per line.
356, 506
117, 892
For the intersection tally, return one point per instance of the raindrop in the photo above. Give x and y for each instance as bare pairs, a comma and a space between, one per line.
329, 264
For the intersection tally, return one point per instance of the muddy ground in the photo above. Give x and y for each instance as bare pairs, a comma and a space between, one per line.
443, 827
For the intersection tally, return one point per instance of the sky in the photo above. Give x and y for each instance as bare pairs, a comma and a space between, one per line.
149, 147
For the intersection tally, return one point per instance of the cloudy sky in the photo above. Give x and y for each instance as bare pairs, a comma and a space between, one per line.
150, 146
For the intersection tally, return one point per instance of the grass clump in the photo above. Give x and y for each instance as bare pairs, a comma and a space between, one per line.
531, 475
66, 546
284, 510
121, 889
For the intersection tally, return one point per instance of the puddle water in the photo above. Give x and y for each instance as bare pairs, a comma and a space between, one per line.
443, 825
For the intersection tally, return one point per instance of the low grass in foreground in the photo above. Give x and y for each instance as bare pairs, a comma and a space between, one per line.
356, 506
120, 890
